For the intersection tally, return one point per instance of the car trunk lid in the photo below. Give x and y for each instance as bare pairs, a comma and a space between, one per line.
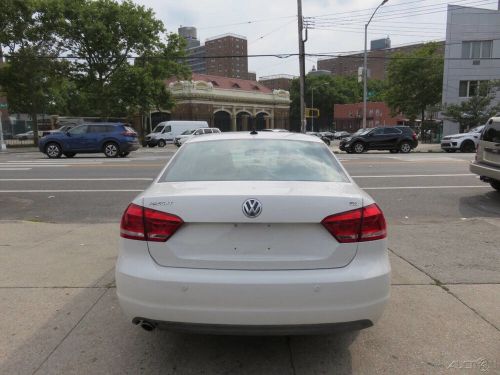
287, 234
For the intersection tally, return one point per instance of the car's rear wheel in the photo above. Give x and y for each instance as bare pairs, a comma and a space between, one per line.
124, 154
468, 146
358, 148
405, 147
111, 150
495, 185
161, 143
69, 154
53, 150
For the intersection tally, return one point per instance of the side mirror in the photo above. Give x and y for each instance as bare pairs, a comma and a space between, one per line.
68, 134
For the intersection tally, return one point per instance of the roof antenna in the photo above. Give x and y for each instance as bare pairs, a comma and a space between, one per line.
253, 132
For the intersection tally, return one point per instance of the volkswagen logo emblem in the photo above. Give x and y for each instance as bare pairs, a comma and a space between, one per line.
252, 208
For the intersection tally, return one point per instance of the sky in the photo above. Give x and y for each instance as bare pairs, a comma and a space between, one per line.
336, 26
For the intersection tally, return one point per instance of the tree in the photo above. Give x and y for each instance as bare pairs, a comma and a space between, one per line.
139, 87
103, 34
477, 109
415, 81
330, 90
29, 77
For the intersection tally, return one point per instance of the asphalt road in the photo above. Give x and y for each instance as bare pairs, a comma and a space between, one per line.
412, 188
58, 293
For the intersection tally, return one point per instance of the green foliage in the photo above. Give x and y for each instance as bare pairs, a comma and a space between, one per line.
415, 81
477, 109
73, 57
330, 90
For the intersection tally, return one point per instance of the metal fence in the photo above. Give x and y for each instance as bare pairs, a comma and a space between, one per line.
19, 142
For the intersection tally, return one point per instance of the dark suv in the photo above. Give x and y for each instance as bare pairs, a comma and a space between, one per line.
113, 139
487, 163
392, 138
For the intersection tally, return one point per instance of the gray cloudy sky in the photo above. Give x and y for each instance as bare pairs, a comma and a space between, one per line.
270, 26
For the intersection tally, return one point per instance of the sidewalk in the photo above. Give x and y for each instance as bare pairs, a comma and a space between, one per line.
61, 316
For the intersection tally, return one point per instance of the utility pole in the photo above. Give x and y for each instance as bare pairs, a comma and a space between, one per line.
302, 65
365, 65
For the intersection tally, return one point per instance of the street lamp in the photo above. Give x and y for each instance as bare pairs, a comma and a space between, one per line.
312, 102
365, 76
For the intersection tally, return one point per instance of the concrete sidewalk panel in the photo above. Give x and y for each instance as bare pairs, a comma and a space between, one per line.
456, 252
403, 272
483, 298
35, 320
423, 330
107, 343
77, 257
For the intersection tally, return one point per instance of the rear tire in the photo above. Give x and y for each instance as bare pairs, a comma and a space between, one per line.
467, 146
111, 150
405, 147
53, 150
69, 154
161, 143
495, 185
358, 148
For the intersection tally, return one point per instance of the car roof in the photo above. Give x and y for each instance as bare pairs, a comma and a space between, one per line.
102, 123
258, 135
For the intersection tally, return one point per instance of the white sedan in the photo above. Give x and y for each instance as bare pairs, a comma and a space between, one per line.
253, 233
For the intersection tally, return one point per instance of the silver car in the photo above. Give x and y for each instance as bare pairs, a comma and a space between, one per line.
487, 163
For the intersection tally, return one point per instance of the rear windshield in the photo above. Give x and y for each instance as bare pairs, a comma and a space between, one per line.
254, 160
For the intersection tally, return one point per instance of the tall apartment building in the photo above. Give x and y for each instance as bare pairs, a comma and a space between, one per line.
194, 50
224, 55
472, 55
227, 56
378, 60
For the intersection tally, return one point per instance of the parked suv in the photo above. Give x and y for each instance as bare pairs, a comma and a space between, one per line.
113, 139
465, 142
392, 138
487, 163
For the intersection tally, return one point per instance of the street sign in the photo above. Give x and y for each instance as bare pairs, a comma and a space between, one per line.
312, 113
4, 106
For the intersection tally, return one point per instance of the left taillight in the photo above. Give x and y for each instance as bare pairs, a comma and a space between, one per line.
360, 225
144, 224
129, 134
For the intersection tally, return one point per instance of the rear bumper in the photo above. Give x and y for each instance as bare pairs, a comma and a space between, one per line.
129, 146
258, 330
484, 170
298, 301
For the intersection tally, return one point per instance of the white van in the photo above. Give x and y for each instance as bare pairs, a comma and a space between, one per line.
166, 131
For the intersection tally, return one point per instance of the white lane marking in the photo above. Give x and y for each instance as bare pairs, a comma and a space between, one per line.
417, 175
425, 187
73, 191
15, 169
3, 165
80, 179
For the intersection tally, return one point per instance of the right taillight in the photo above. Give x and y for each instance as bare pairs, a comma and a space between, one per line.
363, 224
144, 224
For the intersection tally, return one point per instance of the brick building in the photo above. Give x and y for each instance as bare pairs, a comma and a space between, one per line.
349, 117
227, 45
378, 61
278, 81
230, 104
